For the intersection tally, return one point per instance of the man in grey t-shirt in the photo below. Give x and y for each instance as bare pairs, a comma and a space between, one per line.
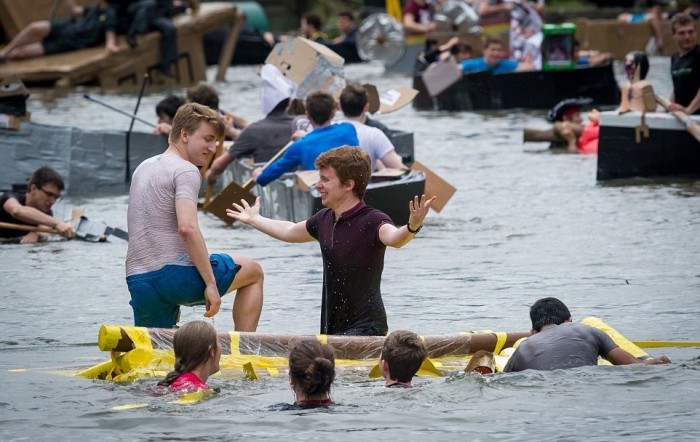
556, 342
167, 262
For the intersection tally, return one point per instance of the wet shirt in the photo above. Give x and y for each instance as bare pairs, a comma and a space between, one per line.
567, 345
154, 240
353, 261
685, 72
264, 138
188, 382
7, 218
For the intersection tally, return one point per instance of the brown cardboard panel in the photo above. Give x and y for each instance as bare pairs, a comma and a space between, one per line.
396, 98
435, 185
440, 76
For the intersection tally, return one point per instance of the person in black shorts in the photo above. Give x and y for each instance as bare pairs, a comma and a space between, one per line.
88, 26
353, 238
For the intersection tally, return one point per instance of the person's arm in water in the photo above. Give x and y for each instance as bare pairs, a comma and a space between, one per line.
394, 236
188, 228
618, 356
283, 230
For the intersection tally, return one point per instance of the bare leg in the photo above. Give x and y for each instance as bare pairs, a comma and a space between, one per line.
30, 36
249, 296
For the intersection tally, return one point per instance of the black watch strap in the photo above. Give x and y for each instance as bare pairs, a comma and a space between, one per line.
408, 226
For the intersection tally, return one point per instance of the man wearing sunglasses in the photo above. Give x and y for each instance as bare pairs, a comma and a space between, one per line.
34, 208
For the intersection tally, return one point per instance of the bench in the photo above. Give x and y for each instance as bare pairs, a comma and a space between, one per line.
128, 66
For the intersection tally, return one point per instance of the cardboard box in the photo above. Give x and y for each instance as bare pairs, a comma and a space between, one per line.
440, 76
312, 66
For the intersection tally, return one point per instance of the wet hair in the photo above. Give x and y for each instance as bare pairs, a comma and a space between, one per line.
312, 367
193, 344
404, 351
313, 20
203, 94
349, 163
353, 100
169, 105
46, 175
681, 19
190, 116
547, 311
637, 59
320, 107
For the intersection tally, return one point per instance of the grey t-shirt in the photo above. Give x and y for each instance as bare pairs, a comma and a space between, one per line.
567, 345
264, 138
154, 240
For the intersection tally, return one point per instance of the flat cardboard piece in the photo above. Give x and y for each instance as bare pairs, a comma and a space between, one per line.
233, 193
312, 66
396, 98
435, 185
306, 179
440, 76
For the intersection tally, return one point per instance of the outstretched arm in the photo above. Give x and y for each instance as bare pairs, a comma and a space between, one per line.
283, 230
618, 356
399, 236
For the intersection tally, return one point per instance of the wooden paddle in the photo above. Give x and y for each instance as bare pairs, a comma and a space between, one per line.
28, 228
235, 192
692, 127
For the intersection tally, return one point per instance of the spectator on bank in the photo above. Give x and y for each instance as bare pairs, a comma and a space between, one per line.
310, 28
346, 28
654, 17
88, 26
418, 17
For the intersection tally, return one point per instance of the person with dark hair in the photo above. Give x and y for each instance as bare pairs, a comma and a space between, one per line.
311, 373
685, 66
167, 262
197, 356
353, 238
310, 27
492, 59
88, 26
166, 110
264, 138
354, 104
208, 96
402, 355
346, 28
320, 109
418, 17
558, 343
34, 208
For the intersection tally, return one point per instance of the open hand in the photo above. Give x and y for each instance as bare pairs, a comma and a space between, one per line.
244, 212
418, 210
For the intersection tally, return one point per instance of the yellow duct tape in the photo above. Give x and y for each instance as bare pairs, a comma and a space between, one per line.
235, 343
323, 339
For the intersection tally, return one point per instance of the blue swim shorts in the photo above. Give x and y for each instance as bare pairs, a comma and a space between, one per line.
156, 296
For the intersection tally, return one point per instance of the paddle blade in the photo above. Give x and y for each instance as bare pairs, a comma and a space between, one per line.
435, 185
233, 193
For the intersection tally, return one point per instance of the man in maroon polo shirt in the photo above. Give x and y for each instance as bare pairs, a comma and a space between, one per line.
353, 239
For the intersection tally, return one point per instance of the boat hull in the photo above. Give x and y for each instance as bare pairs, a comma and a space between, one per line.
668, 151
524, 90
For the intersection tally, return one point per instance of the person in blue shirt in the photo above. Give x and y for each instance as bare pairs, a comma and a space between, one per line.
320, 109
492, 60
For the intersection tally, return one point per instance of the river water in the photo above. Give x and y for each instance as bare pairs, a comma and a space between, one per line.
523, 224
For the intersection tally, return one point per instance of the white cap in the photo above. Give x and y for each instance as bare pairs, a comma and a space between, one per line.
276, 87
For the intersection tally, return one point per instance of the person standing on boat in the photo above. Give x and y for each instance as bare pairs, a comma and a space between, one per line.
353, 238
167, 262
403, 352
87, 27
354, 104
558, 343
34, 208
320, 109
685, 66
264, 138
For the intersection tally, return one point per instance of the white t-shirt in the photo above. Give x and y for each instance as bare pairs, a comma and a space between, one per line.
373, 140
154, 240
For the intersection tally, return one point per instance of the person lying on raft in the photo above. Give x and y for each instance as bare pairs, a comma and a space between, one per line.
402, 355
34, 208
311, 373
353, 238
197, 356
558, 343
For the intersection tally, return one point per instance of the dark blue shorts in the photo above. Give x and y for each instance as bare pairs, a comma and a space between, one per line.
156, 296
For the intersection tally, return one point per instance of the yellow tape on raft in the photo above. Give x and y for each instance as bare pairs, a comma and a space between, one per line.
501, 338
323, 339
235, 343
139, 336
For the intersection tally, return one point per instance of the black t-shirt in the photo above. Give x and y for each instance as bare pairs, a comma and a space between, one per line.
7, 218
685, 72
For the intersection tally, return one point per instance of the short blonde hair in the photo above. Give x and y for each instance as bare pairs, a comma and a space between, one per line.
190, 115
